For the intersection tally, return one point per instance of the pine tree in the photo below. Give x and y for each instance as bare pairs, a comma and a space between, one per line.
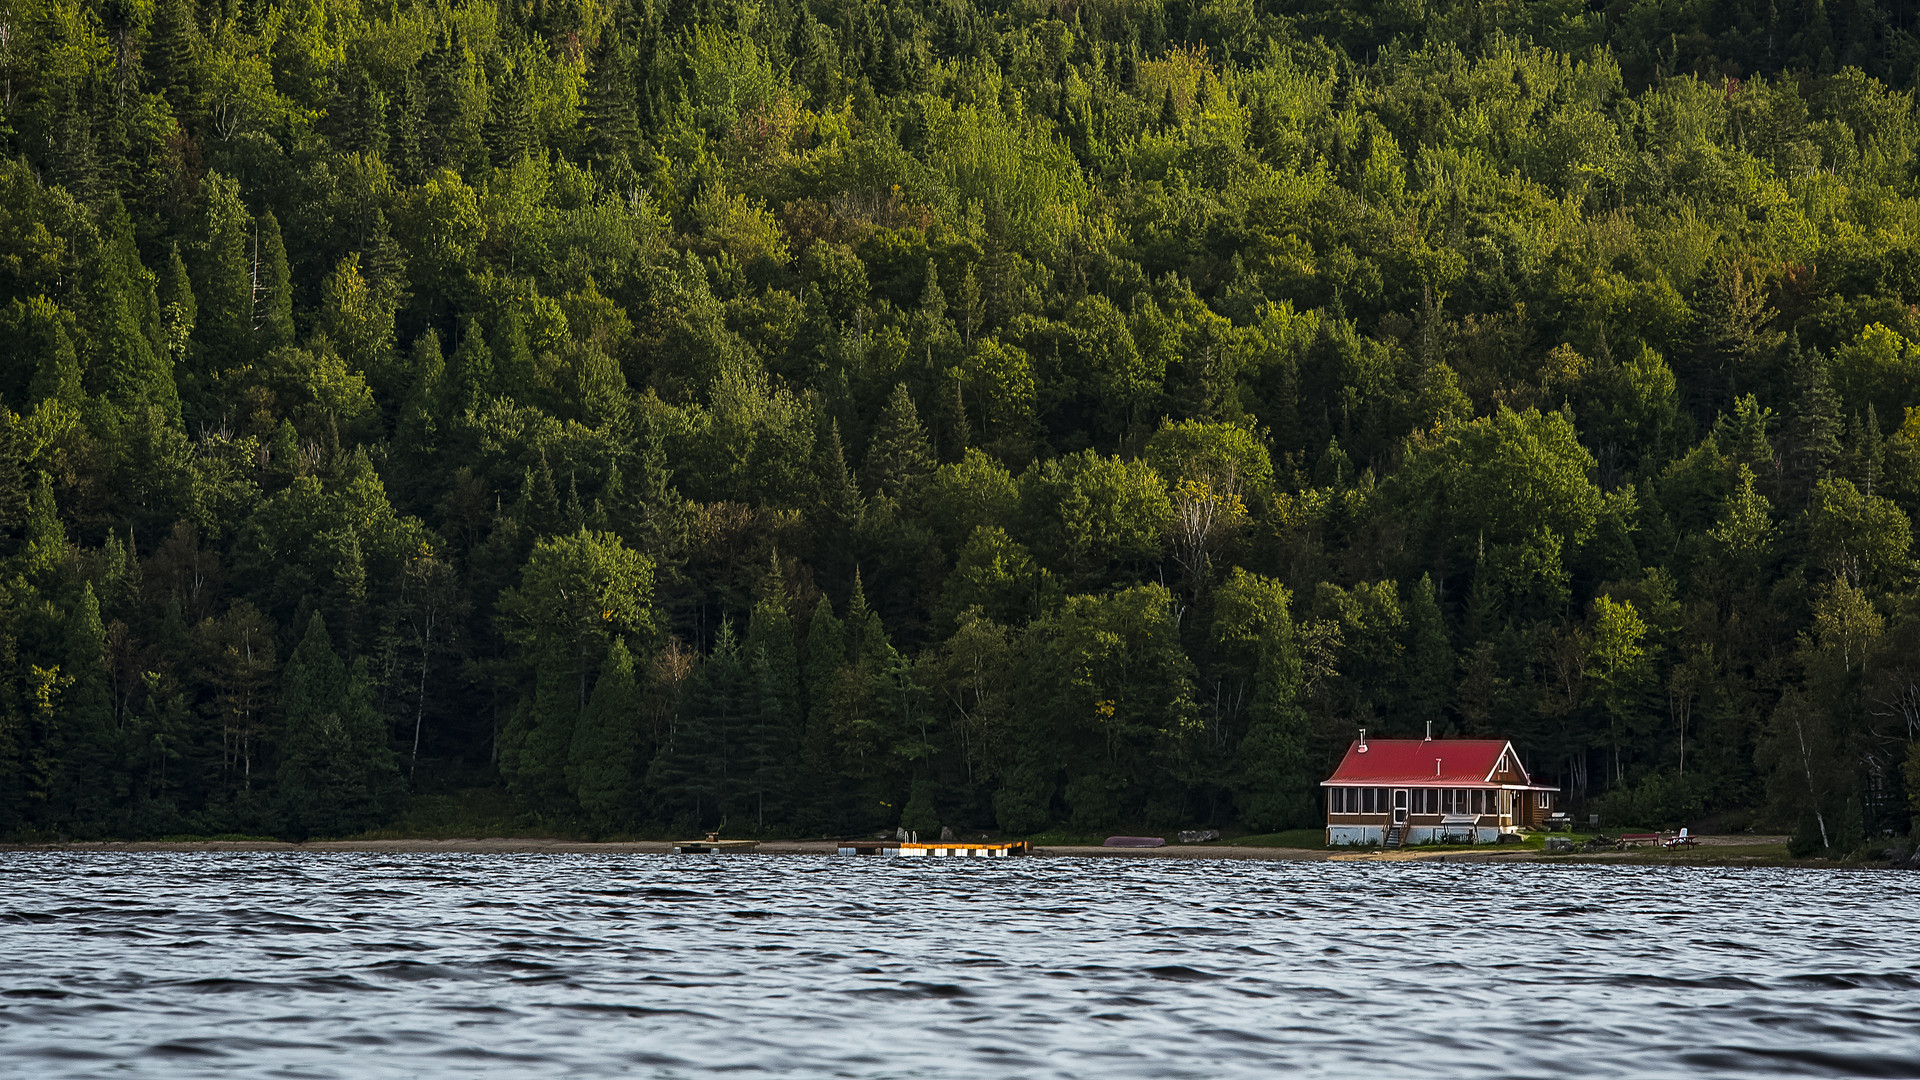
603, 761
713, 776
224, 292
170, 57
612, 123
42, 348
179, 311
778, 729
336, 775
1427, 665
837, 511
90, 748
470, 379
920, 815
130, 363
509, 132
274, 286
513, 359
899, 456
538, 738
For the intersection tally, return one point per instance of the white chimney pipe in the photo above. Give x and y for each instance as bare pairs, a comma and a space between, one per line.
1363, 740
1429, 731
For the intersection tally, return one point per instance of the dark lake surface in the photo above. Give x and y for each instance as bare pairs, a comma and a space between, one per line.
360, 965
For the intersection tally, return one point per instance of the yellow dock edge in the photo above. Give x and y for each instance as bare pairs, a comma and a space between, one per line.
948, 850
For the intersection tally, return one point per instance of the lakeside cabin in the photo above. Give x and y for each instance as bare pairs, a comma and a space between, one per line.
1425, 791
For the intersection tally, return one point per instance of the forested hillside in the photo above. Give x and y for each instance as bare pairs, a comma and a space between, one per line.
821, 415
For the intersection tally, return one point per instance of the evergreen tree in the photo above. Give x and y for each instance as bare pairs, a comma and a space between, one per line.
536, 743
899, 455
603, 762
1812, 429
274, 286
44, 353
336, 775
223, 290
470, 382
711, 782
779, 728
1427, 665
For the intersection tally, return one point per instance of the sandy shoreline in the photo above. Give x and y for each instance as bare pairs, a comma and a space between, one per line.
1740, 850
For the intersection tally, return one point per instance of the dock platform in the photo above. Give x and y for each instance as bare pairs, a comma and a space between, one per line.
946, 850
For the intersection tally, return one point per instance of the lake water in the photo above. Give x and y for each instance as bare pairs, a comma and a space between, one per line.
354, 965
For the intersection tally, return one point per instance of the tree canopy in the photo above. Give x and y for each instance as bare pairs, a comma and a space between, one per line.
821, 416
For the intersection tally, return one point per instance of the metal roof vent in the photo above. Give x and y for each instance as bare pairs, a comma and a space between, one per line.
1362, 748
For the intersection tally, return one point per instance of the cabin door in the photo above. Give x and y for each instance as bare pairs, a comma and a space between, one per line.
1399, 806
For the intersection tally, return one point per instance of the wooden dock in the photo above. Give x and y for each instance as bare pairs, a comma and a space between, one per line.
712, 846
945, 850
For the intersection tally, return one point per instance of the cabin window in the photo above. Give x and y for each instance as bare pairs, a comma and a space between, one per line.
1479, 801
1542, 801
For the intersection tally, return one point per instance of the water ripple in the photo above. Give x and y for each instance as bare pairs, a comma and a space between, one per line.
351, 965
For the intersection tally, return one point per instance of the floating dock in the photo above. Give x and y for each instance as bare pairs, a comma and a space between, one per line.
714, 847
946, 850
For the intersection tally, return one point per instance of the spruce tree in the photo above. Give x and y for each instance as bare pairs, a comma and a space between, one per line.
470, 382
91, 751
223, 287
837, 510
1426, 666
130, 363
1812, 429
603, 760
44, 352
538, 738
336, 775
711, 775
899, 456
275, 311
779, 726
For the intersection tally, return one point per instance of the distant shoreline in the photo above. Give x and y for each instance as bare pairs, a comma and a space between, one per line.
1727, 851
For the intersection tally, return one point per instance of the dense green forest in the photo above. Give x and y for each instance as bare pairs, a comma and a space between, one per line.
817, 415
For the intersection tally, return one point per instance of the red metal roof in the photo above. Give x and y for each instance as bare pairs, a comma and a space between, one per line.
1423, 762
